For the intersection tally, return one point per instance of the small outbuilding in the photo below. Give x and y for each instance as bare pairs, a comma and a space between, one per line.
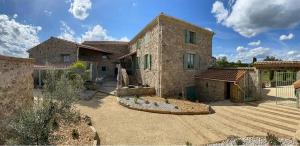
235, 84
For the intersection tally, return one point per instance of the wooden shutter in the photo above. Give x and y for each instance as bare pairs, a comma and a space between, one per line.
187, 36
150, 61
199, 62
195, 38
185, 62
145, 61
196, 61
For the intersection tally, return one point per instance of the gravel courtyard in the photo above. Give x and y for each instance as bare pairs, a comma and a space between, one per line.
118, 125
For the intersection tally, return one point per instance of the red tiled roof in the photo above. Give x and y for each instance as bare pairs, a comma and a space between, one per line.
277, 64
106, 42
228, 75
297, 84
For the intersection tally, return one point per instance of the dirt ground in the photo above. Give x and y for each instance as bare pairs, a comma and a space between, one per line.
118, 125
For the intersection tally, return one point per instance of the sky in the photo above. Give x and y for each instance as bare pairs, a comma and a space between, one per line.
243, 28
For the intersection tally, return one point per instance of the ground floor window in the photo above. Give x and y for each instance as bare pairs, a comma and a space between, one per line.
103, 68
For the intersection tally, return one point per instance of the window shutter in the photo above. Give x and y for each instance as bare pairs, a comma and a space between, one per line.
199, 64
196, 62
187, 36
185, 62
195, 38
150, 61
145, 61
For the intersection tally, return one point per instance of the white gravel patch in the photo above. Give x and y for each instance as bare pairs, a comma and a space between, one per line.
141, 104
255, 141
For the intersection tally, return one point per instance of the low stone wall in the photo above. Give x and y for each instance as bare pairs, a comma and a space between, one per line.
135, 91
16, 84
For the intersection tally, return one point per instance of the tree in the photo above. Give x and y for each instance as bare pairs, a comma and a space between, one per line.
271, 58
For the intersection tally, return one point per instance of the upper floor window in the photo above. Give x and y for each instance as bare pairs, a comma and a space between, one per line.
190, 37
66, 58
147, 61
138, 44
191, 61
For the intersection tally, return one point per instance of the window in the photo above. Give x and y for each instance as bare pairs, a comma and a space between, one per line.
103, 68
147, 61
66, 58
191, 61
190, 37
138, 44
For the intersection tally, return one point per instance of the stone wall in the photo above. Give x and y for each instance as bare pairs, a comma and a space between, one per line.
16, 84
149, 44
174, 78
125, 91
211, 90
51, 51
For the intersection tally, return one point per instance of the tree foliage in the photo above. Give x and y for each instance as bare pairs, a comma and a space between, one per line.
223, 62
271, 58
33, 126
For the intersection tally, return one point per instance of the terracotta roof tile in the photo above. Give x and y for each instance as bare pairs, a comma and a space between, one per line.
297, 84
277, 64
229, 75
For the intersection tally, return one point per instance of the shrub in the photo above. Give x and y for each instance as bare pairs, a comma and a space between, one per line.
239, 142
176, 107
147, 102
167, 101
136, 100
272, 139
75, 134
88, 120
155, 103
80, 68
187, 143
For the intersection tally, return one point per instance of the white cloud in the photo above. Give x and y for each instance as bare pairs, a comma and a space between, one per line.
208, 28
79, 8
293, 55
241, 49
95, 33
286, 37
67, 33
48, 13
15, 16
246, 55
251, 17
124, 39
257, 43
16, 38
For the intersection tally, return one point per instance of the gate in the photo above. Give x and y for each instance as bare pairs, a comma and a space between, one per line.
285, 92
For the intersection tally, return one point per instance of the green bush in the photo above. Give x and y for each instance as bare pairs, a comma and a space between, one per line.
167, 101
272, 139
80, 68
239, 142
34, 126
75, 134
187, 143
155, 103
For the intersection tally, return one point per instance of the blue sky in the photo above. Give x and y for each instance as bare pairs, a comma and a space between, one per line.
244, 29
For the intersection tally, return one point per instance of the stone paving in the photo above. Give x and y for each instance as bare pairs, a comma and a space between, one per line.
119, 125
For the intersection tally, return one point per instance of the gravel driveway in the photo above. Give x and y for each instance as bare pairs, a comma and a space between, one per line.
119, 125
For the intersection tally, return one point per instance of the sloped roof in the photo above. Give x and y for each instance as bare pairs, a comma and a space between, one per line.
277, 64
77, 44
297, 84
226, 75
106, 42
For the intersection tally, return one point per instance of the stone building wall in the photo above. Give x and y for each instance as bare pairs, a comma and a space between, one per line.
109, 62
211, 90
16, 84
149, 44
51, 51
174, 78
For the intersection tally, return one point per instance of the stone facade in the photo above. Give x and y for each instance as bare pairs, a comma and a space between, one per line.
16, 84
52, 50
164, 39
211, 90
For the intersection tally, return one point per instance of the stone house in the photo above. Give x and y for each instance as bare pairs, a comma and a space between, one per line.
167, 54
61, 53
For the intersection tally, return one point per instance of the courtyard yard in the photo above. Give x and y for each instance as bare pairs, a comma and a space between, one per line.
118, 125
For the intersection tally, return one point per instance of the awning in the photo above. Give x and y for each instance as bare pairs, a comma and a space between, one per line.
127, 55
277, 65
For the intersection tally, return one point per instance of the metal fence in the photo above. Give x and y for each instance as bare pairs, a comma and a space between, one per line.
285, 92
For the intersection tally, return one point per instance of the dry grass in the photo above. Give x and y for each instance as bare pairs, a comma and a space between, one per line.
63, 136
183, 105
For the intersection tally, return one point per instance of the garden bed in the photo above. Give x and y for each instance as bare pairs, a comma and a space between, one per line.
79, 133
164, 106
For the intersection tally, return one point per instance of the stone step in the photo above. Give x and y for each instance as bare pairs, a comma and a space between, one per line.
254, 124
264, 120
240, 129
253, 111
276, 108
